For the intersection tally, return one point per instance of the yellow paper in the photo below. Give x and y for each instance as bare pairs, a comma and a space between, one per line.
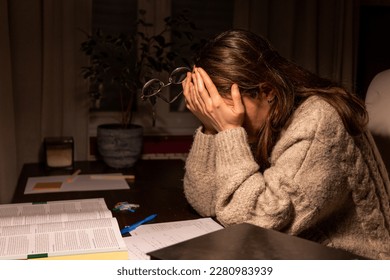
119, 255
47, 185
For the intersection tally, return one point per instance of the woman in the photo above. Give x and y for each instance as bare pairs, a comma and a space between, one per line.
283, 149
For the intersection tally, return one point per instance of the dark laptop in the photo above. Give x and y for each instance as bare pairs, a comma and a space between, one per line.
249, 242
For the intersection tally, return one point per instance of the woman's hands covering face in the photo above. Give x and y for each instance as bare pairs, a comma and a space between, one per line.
216, 113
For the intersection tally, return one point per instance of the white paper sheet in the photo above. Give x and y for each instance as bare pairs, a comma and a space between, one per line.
152, 237
82, 182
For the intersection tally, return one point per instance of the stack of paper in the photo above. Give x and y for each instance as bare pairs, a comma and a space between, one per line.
150, 237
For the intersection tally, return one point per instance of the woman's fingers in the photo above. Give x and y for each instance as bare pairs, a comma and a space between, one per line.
193, 100
210, 88
187, 91
186, 83
202, 95
238, 106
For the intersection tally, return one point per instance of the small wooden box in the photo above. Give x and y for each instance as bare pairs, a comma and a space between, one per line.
59, 152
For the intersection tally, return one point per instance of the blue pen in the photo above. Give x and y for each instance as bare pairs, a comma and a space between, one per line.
127, 229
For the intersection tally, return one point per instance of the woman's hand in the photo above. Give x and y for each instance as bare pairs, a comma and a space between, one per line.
189, 94
204, 101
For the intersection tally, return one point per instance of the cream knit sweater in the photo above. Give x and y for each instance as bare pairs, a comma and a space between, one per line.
322, 185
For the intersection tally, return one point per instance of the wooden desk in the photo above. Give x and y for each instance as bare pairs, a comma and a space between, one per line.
158, 188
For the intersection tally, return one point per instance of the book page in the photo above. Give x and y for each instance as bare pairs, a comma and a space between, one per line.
62, 238
53, 211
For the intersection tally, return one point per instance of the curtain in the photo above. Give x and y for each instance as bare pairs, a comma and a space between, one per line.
8, 164
41, 81
64, 92
319, 35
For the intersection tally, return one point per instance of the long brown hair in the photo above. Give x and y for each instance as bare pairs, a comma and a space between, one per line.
244, 58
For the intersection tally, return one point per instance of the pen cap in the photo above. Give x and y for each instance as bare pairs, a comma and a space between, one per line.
59, 152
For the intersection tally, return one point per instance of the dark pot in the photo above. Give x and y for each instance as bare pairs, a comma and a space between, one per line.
119, 147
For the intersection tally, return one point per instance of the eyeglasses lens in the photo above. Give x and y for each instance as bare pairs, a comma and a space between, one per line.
178, 75
152, 87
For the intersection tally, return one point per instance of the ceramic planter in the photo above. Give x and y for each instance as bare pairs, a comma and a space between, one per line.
119, 147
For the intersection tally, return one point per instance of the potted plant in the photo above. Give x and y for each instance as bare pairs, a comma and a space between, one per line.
122, 63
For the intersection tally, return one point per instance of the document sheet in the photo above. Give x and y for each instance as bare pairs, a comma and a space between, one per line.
84, 182
147, 238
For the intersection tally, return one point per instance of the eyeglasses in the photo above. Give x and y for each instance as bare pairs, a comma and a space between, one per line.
154, 87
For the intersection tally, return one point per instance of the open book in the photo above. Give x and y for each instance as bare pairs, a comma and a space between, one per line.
68, 229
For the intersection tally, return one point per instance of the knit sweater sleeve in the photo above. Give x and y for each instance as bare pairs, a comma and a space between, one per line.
199, 178
303, 184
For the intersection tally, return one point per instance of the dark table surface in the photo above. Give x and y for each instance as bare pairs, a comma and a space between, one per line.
157, 188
